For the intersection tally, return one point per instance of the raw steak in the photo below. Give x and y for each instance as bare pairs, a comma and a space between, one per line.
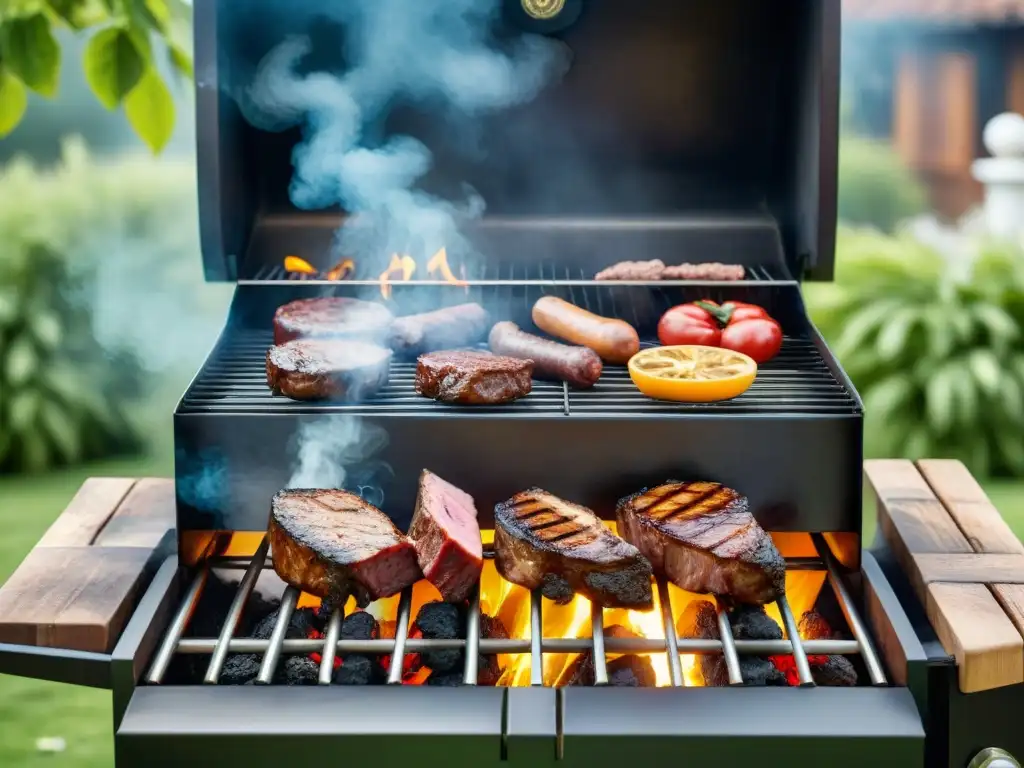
457, 326
323, 369
332, 317
703, 538
447, 538
333, 544
469, 377
543, 541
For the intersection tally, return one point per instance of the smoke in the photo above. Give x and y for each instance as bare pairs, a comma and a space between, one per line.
437, 52
339, 452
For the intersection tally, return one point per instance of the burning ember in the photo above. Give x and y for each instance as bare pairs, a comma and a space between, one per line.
402, 268
343, 270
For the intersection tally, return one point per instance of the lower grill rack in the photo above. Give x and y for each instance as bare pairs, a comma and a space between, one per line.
330, 646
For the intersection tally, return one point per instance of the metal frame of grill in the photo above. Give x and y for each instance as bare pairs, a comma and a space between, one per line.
473, 645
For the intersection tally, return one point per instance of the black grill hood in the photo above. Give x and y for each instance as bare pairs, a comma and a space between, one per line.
713, 114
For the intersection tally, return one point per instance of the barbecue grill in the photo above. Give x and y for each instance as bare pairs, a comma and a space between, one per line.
720, 145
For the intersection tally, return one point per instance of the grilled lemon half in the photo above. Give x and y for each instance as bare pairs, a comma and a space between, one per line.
691, 373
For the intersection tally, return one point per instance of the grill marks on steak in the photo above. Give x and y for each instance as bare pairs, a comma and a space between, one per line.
703, 538
332, 317
543, 541
447, 328
334, 544
469, 377
326, 369
446, 534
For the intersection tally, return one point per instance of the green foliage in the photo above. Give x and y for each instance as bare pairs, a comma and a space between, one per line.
936, 353
75, 241
119, 61
875, 188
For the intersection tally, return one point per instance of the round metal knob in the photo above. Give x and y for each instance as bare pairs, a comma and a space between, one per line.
993, 757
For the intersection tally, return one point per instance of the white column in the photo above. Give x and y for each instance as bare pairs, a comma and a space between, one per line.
1003, 175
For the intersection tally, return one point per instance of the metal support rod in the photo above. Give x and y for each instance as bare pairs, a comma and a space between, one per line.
803, 669
178, 624
597, 637
732, 659
330, 647
245, 588
536, 639
488, 646
284, 617
675, 666
401, 636
860, 634
473, 640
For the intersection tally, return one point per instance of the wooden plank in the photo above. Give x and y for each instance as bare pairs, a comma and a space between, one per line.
885, 636
87, 513
972, 627
145, 515
970, 568
969, 507
72, 597
1011, 598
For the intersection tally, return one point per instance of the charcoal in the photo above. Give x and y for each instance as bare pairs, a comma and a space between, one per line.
700, 620
298, 670
835, 671
214, 604
445, 679
631, 671
581, 671
239, 669
360, 625
357, 669
440, 621
302, 625
750, 622
489, 671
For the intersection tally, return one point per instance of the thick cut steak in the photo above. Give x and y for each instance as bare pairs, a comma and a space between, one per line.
447, 328
333, 544
543, 541
325, 369
332, 317
469, 377
703, 538
447, 537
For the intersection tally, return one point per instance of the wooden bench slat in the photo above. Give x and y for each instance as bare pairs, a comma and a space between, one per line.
970, 568
144, 516
88, 512
969, 506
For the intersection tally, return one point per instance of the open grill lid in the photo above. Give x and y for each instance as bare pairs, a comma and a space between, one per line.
714, 116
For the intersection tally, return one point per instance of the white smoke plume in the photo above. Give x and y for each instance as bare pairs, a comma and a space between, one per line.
339, 451
435, 52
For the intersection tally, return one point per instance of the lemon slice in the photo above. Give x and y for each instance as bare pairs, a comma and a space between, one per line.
692, 373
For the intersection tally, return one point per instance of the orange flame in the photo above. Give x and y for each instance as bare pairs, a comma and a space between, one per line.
439, 263
295, 264
341, 270
400, 269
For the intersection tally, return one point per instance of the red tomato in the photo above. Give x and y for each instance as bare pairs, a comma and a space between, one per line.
758, 338
741, 311
688, 324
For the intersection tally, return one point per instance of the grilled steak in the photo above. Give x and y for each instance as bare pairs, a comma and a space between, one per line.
333, 544
700, 621
543, 541
327, 369
447, 537
703, 538
446, 328
332, 317
470, 377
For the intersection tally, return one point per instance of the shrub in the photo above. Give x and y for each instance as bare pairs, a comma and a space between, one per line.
93, 258
875, 188
936, 352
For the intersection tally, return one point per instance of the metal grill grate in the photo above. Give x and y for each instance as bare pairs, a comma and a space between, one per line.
473, 645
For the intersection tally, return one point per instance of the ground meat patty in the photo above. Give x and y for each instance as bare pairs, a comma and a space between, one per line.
633, 270
469, 377
709, 271
332, 317
325, 369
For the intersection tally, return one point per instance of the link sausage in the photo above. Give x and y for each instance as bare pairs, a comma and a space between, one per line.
615, 341
579, 366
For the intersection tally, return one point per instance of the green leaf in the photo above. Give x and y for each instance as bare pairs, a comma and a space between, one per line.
889, 397
46, 329
860, 327
79, 14
940, 399
21, 362
1012, 399
13, 102
155, 13
31, 52
893, 338
181, 60
985, 368
968, 400
62, 431
35, 453
918, 444
113, 65
23, 409
1002, 329
1011, 450
941, 338
150, 110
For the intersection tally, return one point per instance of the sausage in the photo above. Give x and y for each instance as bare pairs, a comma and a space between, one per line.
614, 340
579, 366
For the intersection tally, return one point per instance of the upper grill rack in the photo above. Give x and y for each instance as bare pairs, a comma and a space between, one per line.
473, 645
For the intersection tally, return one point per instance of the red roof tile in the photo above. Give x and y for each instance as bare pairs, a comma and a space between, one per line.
952, 11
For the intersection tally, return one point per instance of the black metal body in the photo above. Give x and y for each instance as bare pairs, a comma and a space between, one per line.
709, 108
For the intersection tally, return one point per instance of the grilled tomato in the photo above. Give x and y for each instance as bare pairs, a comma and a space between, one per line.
692, 373
735, 325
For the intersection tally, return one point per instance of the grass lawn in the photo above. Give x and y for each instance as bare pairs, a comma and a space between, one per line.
30, 710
